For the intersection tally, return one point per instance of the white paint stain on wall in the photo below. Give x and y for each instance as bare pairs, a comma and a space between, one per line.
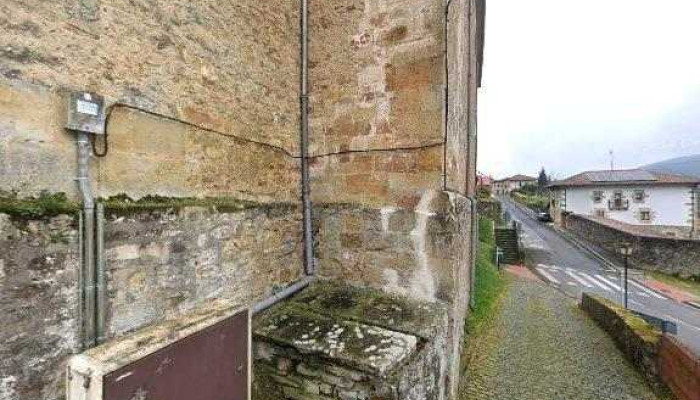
423, 282
386, 214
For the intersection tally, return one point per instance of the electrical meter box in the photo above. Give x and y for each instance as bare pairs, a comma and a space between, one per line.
86, 113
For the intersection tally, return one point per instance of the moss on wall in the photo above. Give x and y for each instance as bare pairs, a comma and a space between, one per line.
124, 205
45, 205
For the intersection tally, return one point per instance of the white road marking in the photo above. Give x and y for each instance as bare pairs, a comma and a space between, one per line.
602, 278
571, 283
677, 320
595, 282
570, 272
547, 275
647, 290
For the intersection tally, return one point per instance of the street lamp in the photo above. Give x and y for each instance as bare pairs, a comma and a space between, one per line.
626, 250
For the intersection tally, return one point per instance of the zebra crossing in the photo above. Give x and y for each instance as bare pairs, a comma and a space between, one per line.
593, 281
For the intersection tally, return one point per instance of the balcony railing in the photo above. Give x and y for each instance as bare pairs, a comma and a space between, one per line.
618, 205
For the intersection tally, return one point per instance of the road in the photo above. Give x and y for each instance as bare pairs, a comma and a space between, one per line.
574, 271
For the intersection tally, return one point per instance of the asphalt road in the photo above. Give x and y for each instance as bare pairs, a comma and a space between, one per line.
574, 271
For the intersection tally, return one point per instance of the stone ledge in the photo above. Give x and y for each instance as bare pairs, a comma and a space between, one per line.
637, 340
335, 341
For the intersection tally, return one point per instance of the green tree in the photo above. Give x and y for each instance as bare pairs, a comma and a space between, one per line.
543, 180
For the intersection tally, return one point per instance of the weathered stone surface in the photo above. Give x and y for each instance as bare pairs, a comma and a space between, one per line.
344, 353
229, 66
423, 253
39, 305
163, 263
147, 155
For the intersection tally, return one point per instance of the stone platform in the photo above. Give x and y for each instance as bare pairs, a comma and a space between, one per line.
335, 341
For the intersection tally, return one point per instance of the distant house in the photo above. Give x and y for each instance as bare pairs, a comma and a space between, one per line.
507, 185
484, 181
632, 197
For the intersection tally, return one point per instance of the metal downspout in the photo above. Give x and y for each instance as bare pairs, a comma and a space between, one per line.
88, 265
309, 265
474, 249
101, 278
446, 92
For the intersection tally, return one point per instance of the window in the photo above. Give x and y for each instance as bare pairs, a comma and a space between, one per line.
600, 213
639, 196
597, 196
645, 215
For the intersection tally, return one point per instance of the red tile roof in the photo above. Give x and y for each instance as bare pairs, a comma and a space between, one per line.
624, 177
518, 177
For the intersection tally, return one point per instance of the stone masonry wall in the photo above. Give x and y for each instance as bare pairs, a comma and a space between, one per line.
227, 67
637, 340
669, 255
39, 305
162, 264
377, 122
231, 65
422, 253
335, 341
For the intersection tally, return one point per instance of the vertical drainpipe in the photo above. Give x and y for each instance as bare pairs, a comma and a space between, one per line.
309, 267
100, 278
470, 148
446, 93
88, 265
81, 282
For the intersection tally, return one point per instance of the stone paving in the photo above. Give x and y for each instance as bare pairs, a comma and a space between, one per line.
540, 346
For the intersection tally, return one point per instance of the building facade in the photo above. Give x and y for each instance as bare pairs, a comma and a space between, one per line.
632, 197
507, 185
249, 146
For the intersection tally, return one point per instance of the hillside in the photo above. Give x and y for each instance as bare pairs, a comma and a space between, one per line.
689, 165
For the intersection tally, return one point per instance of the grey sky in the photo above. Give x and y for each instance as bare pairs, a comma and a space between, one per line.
565, 81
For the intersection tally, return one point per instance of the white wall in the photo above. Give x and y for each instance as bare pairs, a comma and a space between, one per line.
670, 205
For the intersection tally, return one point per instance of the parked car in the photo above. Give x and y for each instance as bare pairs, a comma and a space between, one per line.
544, 216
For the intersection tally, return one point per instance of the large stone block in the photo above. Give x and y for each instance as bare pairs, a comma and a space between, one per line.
350, 343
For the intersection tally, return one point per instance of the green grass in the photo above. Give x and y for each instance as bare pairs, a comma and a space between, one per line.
489, 284
690, 285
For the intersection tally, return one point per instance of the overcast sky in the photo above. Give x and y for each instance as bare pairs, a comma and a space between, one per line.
566, 81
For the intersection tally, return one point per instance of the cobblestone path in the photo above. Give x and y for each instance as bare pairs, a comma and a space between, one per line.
540, 346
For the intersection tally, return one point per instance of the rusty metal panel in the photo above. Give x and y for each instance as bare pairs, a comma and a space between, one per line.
212, 364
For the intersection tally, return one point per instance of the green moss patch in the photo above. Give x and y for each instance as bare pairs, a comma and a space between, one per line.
123, 204
44, 205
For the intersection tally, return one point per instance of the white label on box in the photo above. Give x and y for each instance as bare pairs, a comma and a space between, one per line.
86, 107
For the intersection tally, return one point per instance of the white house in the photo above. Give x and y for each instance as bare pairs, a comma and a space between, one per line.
507, 185
633, 197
